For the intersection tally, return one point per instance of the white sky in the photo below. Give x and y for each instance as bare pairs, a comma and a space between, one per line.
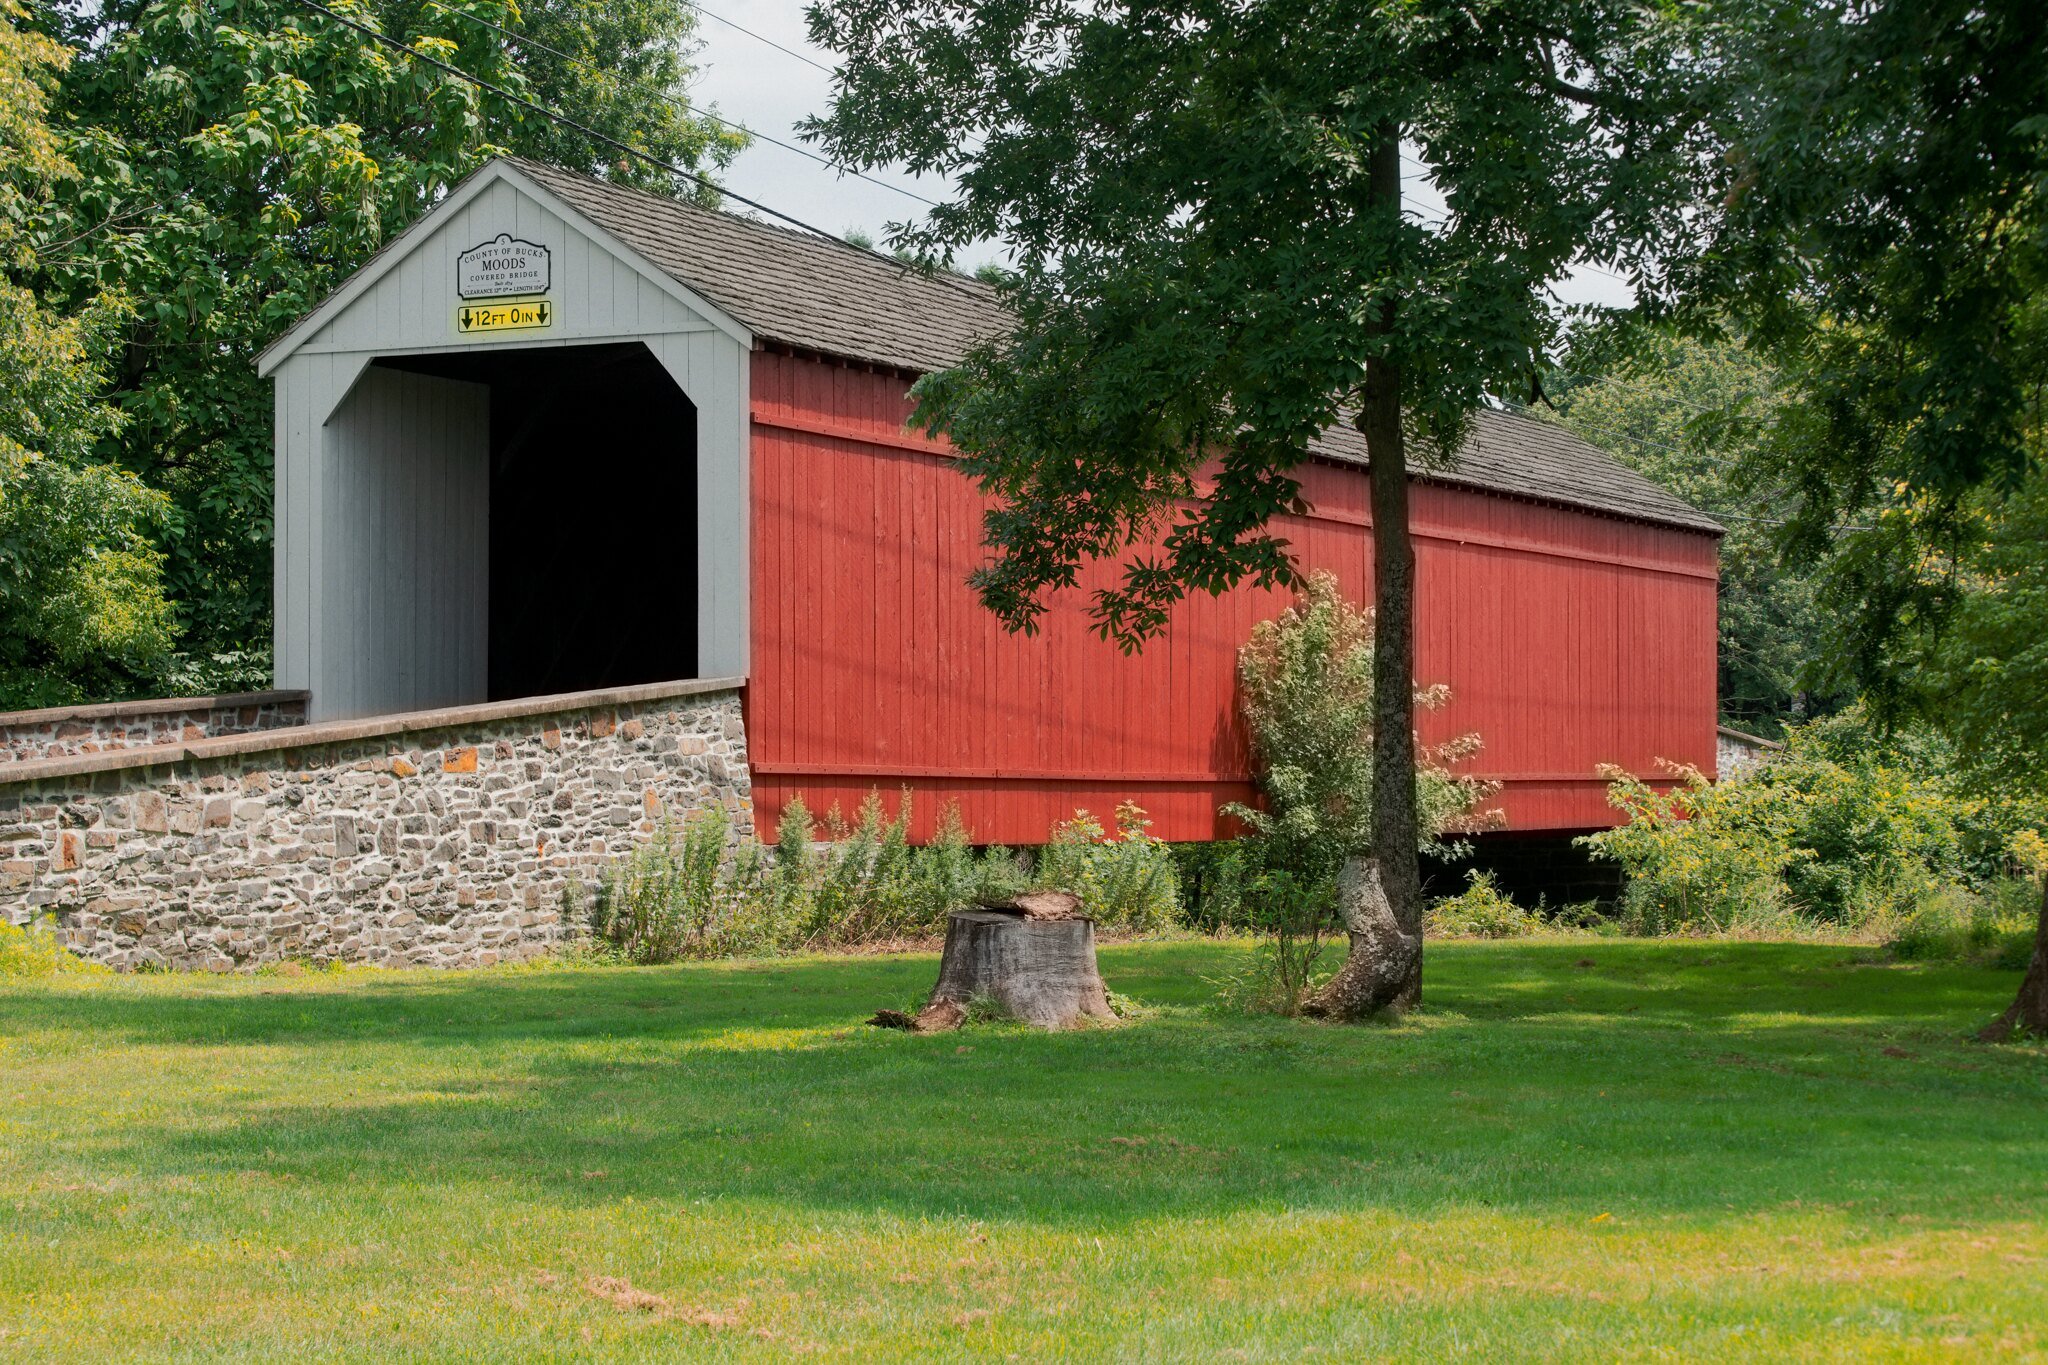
751, 83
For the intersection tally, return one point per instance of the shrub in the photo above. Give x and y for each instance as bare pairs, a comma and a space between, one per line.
28, 951
1125, 881
1210, 879
1481, 910
1307, 697
1994, 926
692, 893
870, 883
1686, 871
788, 880
1306, 691
1575, 915
852, 875
1846, 828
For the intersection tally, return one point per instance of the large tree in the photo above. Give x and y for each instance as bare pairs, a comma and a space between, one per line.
1213, 261
1876, 219
238, 158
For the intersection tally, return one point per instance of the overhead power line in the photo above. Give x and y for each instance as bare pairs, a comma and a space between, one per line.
808, 61
526, 41
1422, 167
629, 149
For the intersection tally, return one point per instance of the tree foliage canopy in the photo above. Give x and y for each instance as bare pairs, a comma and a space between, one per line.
1986, 674
1876, 223
1212, 265
82, 608
1695, 416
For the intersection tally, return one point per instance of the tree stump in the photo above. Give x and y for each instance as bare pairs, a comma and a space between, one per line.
1037, 962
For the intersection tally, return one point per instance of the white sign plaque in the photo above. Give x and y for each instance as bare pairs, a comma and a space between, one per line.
504, 265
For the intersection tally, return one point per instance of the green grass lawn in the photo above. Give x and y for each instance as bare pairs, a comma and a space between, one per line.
1582, 1149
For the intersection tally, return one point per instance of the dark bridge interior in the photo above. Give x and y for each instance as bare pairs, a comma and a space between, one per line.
593, 577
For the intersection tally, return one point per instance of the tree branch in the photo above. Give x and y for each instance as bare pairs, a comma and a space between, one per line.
1548, 81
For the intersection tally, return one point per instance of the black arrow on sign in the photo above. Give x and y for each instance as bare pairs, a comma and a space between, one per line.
542, 315
463, 317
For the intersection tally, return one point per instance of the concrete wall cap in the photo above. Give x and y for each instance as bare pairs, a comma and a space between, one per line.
1743, 737
151, 706
346, 731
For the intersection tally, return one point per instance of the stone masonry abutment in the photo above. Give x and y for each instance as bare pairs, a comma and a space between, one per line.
439, 838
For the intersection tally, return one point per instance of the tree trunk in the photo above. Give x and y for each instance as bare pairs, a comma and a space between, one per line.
1384, 969
1038, 970
2029, 1009
1383, 906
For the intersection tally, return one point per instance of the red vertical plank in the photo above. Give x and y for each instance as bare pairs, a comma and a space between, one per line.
875, 664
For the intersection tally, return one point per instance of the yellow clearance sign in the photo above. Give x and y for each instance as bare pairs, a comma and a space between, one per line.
505, 315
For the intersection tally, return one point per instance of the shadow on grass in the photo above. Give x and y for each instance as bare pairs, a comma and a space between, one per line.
1572, 1077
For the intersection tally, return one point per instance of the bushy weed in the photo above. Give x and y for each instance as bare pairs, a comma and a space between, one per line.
1481, 910
679, 896
1125, 881
1846, 829
29, 951
1994, 927
1299, 934
693, 891
869, 883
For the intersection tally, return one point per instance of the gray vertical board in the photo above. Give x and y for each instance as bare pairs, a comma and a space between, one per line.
280, 516
299, 393
313, 556
714, 373
308, 388
290, 521
402, 621
383, 486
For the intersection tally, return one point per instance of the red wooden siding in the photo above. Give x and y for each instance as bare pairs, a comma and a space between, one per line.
1568, 640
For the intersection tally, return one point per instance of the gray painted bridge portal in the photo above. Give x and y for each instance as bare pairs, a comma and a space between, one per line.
383, 517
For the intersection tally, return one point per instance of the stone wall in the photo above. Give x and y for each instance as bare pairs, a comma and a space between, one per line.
1735, 753
442, 838
63, 731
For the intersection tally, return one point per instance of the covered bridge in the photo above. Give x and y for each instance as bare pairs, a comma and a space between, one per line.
561, 435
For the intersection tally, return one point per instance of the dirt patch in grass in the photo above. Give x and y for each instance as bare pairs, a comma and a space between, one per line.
622, 1294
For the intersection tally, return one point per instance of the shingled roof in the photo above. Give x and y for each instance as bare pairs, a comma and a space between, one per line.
1530, 458
790, 286
817, 295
